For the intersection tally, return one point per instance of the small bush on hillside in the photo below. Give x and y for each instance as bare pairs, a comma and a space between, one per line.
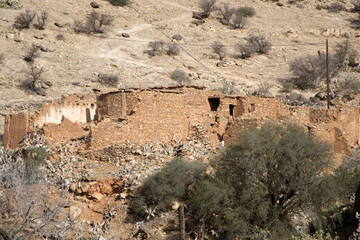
309, 70
336, 7
172, 49
121, 3
41, 20
239, 20
219, 49
34, 157
170, 184
34, 75
155, 48
180, 77
245, 50
24, 19
349, 84
207, 6
32, 53
97, 23
287, 87
263, 89
246, 11
260, 44
353, 59
226, 11
111, 80
356, 5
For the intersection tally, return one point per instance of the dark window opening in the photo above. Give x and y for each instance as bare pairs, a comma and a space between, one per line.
214, 104
88, 115
231, 109
252, 107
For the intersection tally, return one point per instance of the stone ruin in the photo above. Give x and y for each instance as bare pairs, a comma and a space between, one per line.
172, 116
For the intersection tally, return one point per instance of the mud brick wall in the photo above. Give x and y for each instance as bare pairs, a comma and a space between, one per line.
116, 104
73, 107
141, 116
160, 114
16, 126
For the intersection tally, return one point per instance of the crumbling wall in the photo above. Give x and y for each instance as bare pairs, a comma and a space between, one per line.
173, 114
160, 114
16, 126
75, 108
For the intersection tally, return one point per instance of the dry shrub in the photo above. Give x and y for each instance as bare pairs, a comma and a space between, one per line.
180, 77
245, 50
32, 53
239, 20
226, 11
173, 49
260, 44
207, 6
111, 80
24, 19
219, 49
155, 48
97, 23
41, 20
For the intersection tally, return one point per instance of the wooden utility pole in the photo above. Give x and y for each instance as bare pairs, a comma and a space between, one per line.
182, 221
327, 75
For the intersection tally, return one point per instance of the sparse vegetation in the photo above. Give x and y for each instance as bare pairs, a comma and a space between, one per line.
32, 54
172, 49
180, 77
356, 5
310, 70
24, 19
350, 84
227, 12
207, 6
159, 48
219, 49
96, 23
41, 20
263, 89
287, 87
259, 43
239, 20
245, 50
111, 80
336, 7
34, 75
27, 208
155, 48
33, 158
121, 3
246, 11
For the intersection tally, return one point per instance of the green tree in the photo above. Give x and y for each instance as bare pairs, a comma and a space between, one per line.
264, 178
170, 184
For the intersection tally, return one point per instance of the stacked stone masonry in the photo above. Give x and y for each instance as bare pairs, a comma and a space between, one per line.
170, 114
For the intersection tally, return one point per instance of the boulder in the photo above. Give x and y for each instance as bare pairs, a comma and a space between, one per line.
94, 5
74, 212
177, 37
40, 91
97, 196
125, 35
